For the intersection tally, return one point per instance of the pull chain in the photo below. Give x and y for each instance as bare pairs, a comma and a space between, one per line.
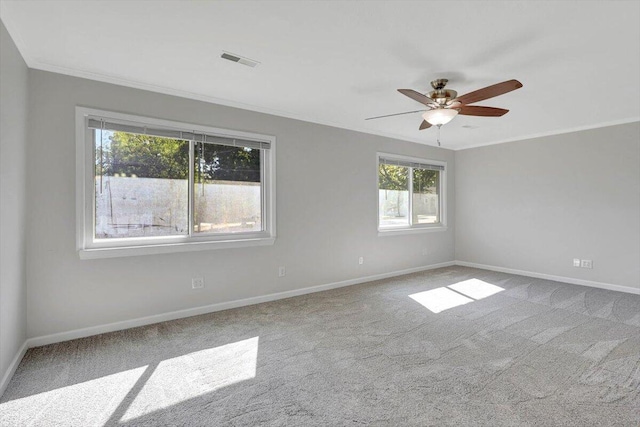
439, 126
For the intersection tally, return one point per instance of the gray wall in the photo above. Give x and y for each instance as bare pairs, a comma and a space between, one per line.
326, 214
534, 205
13, 131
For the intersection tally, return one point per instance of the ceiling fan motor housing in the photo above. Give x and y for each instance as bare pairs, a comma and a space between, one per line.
441, 95
439, 84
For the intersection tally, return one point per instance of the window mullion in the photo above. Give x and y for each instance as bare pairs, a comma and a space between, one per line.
191, 184
90, 191
410, 197
439, 189
264, 169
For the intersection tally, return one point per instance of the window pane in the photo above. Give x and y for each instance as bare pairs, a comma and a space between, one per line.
141, 185
393, 195
227, 189
426, 205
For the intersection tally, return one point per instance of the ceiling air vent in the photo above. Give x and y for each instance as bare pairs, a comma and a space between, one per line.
239, 59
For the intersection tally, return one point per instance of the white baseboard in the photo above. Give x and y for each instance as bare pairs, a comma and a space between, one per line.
601, 285
12, 367
142, 321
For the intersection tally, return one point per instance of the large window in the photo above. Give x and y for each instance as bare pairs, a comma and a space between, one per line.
147, 183
410, 193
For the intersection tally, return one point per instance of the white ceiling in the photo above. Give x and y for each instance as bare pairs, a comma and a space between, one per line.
337, 63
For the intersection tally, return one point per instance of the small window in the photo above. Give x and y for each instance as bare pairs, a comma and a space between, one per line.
149, 183
410, 193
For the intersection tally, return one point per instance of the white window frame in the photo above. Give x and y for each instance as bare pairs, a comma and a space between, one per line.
394, 230
89, 247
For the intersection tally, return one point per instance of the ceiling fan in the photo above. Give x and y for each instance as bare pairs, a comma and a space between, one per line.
444, 104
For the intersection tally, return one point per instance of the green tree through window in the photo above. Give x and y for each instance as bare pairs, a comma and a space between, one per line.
129, 154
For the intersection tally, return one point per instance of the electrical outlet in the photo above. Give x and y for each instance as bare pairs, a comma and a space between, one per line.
576, 262
197, 283
586, 263
282, 271
361, 260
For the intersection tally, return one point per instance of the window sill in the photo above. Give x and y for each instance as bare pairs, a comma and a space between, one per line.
126, 251
403, 231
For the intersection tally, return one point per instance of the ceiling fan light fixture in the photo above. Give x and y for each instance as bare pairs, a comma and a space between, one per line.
440, 116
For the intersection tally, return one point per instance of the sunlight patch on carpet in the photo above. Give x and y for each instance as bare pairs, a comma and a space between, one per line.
85, 403
441, 299
476, 288
195, 374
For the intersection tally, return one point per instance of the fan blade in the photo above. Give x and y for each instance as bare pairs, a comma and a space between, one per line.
424, 125
416, 96
476, 110
397, 114
489, 92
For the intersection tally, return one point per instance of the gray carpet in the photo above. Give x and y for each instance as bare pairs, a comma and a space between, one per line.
412, 350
